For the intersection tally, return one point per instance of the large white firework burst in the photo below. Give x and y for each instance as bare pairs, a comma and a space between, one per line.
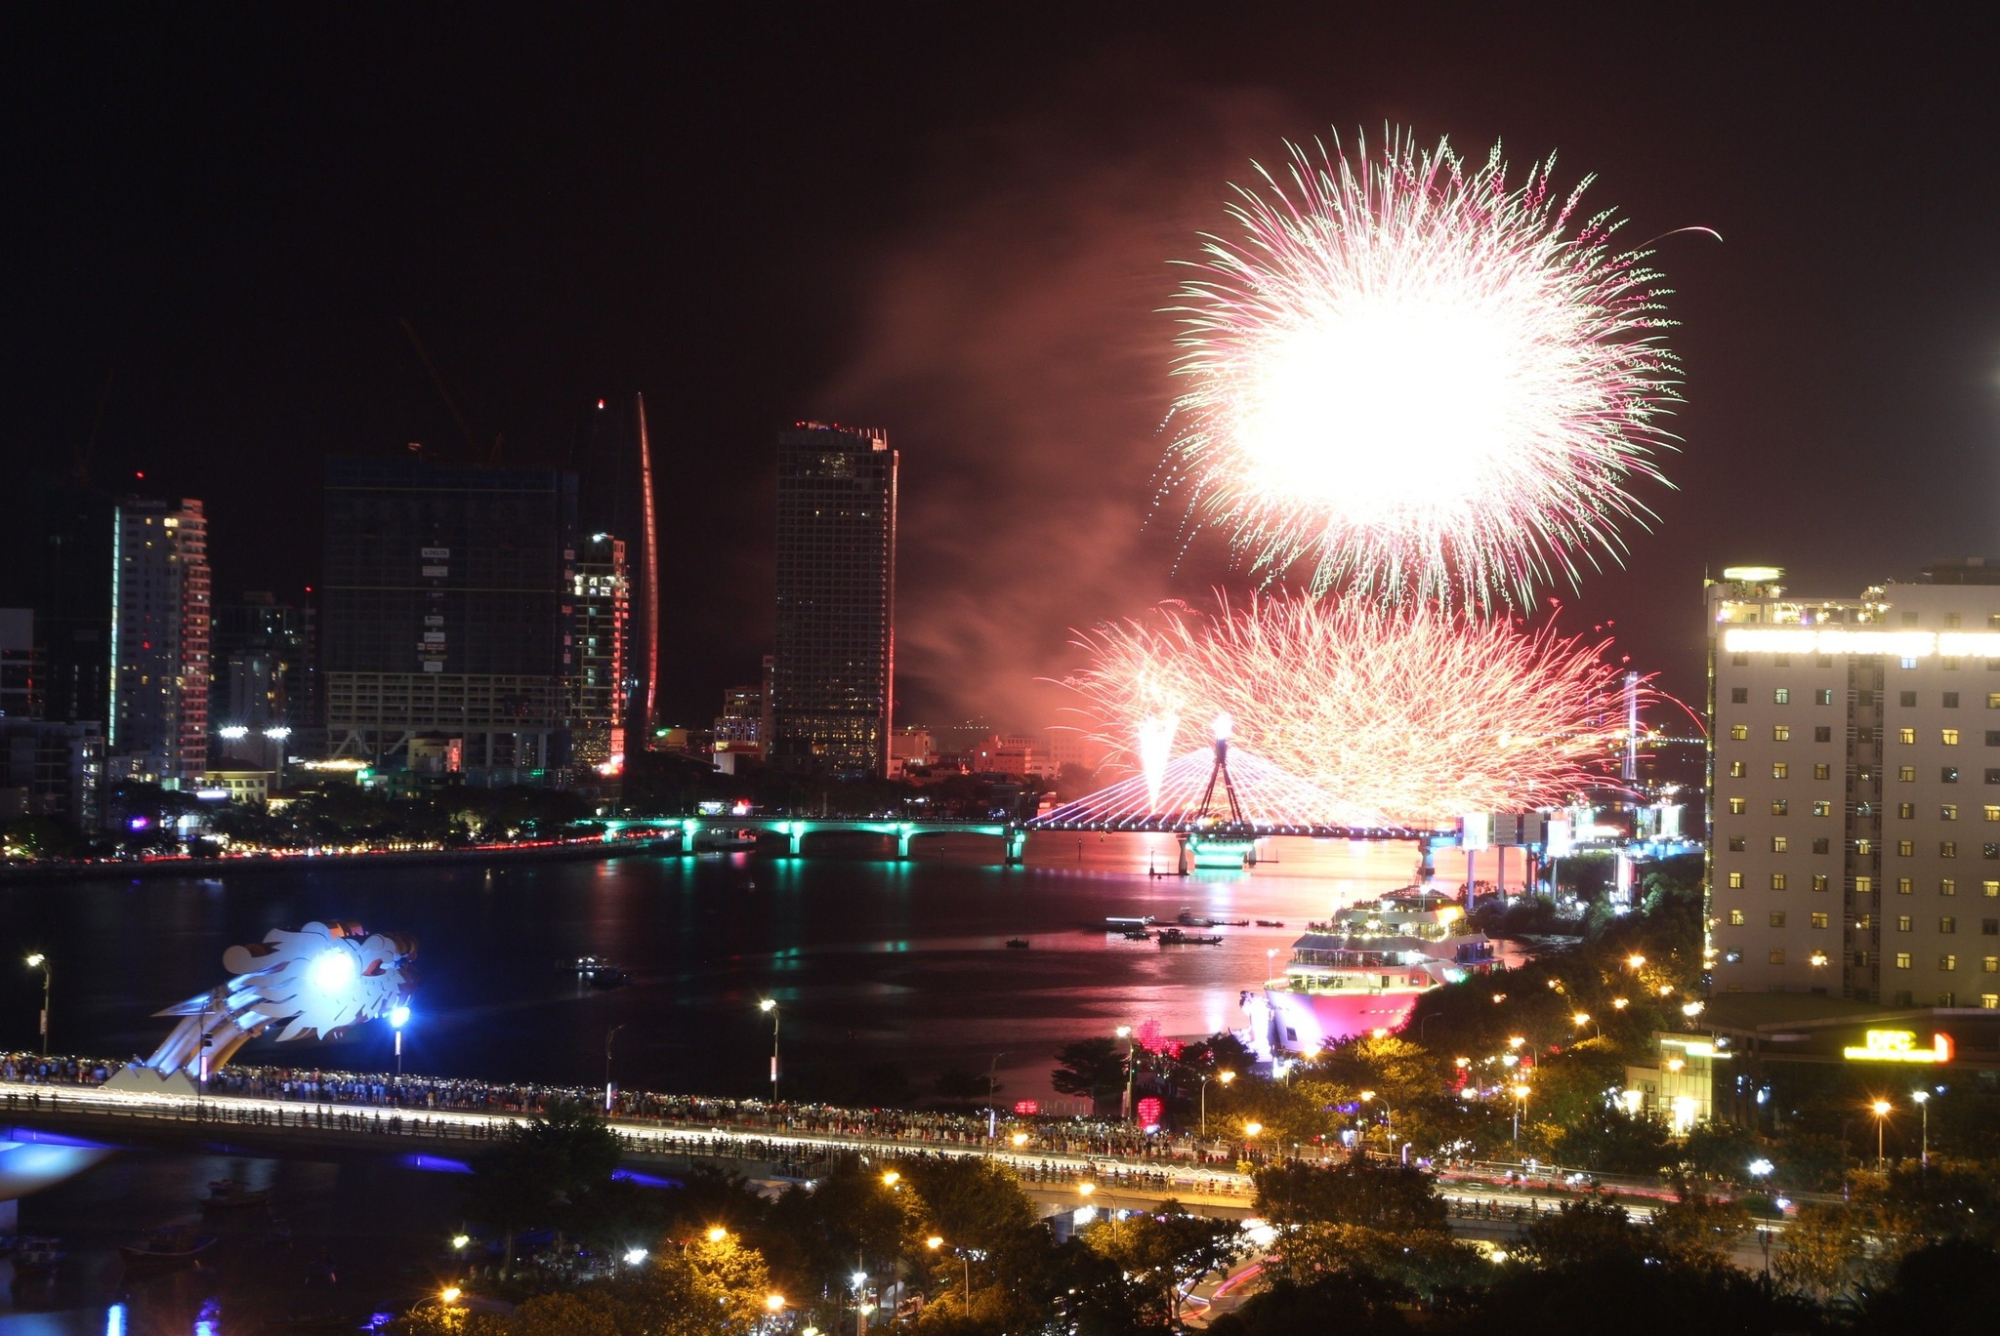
1424, 381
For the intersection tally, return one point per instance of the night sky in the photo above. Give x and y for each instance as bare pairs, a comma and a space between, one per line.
957, 227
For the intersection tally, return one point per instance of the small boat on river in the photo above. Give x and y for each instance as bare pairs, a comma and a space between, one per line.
166, 1249
1175, 937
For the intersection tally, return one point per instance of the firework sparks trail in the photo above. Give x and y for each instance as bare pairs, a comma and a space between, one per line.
1421, 380
1401, 716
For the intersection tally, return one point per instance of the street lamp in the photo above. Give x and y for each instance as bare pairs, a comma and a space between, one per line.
609, 1035
38, 961
934, 1243
1388, 1116
770, 1006
1880, 1108
1583, 1018
1131, 1069
1636, 961
1923, 1099
1520, 1100
1225, 1077
398, 1018
278, 735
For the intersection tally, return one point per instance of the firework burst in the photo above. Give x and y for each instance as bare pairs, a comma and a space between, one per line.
1424, 381
1408, 715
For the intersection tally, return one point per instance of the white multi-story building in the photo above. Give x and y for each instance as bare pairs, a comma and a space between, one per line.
1854, 788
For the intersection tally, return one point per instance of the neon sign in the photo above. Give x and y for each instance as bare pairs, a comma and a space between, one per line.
1899, 1046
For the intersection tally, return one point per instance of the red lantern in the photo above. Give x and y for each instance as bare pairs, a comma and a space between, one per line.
1150, 1110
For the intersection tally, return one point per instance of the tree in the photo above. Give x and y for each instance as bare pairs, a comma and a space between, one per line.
541, 1172
1164, 1250
1390, 1197
1091, 1069
1581, 1234
1825, 1251
1699, 1229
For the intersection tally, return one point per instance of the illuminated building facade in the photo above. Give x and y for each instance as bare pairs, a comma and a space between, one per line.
616, 497
833, 682
742, 730
600, 612
261, 664
1854, 794
160, 622
445, 604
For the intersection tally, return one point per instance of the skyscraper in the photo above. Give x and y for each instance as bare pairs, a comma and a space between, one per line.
1854, 818
615, 498
600, 592
160, 621
55, 558
445, 605
260, 664
833, 681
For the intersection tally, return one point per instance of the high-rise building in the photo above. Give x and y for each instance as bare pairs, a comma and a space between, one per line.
160, 622
742, 730
51, 768
18, 697
260, 664
55, 558
445, 604
1854, 794
600, 612
833, 684
615, 497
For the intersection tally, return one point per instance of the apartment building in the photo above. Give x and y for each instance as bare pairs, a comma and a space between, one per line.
1854, 787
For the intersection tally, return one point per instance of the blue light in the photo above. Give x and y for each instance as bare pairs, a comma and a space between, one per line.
114, 1321
399, 1017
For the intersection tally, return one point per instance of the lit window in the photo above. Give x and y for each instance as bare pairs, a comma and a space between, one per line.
1948, 811
1902, 960
1819, 881
1946, 964
1906, 773
1948, 886
1990, 1001
1782, 696
1780, 806
1739, 732
1948, 736
1903, 922
1779, 844
1781, 732
1821, 807
1824, 696
1735, 918
1904, 886
1866, 886
1864, 847
1948, 774
1822, 771
1819, 920
1947, 925
1736, 881
1777, 881
1947, 848
1906, 811
1907, 736
1736, 770
1738, 806
1993, 700
1778, 956
1781, 770
1990, 889
1906, 848
1777, 918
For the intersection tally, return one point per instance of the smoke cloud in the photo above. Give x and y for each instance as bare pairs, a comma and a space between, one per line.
1015, 349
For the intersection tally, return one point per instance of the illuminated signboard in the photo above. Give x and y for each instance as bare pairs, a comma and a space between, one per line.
1899, 1046
1840, 640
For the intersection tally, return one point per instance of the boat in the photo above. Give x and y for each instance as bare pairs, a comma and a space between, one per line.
1018, 943
166, 1249
1270, 923
231, 1194
1187, 919
1116, 924
1175, 937
1229, 923
1363, 970
1137, 935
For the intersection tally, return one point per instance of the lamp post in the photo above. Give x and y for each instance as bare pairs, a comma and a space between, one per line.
1520, 1100
278, 736
1225, 1077
1923, 1099
38, 961
398, 1018
770, 1006
1131, 1070
934, 1243
1880, 1108
1583, 1018
609, 1035
992, 1114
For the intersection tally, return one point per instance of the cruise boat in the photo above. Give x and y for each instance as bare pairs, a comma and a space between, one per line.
1364, 971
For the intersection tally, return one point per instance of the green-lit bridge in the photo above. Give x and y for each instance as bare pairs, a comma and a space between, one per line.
796, 830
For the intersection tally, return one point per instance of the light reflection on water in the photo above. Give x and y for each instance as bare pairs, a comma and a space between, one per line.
872, 962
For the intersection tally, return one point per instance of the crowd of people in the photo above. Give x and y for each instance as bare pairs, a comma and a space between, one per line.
409, 1096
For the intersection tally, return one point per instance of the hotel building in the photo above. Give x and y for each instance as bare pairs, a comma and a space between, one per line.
1854, 788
